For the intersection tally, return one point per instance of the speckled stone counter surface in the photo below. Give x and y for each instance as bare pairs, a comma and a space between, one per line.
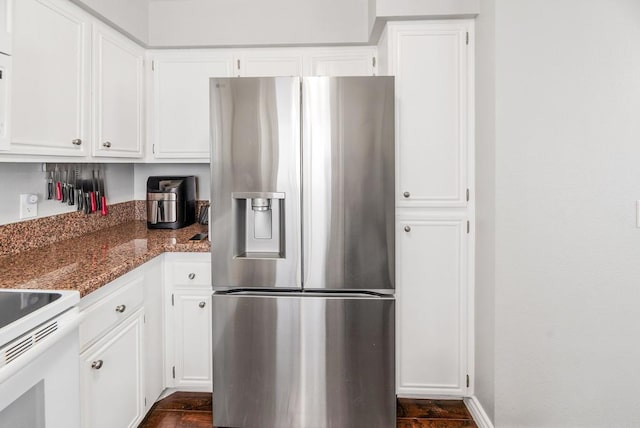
86, 263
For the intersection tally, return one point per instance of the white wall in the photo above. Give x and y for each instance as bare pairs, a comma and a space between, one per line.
484, 388
381, 11
131, 16
17, 178
124, 182
567, 180
371, 15
426, 8
250, 22
201, 171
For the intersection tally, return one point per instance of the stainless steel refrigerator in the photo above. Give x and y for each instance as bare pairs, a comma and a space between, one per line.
303, 252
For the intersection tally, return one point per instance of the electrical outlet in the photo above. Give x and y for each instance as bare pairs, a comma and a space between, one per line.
28, 205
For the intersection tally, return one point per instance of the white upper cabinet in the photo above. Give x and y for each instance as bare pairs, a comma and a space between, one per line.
268, 63
5, 73
50, 99
357, 61
118, 104
6, 7
342, 62
179, 125
5, 102
80, 89
430, 61
180, 112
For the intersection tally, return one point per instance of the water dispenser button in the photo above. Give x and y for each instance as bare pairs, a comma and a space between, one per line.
260, 204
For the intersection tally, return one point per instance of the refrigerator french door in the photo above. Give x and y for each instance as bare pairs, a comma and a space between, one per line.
303, 251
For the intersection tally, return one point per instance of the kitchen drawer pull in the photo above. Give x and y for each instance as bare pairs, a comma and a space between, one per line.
192, 275
76, 142
202, 304
407, 228
106, 144
97, 365
120, 308
406, 194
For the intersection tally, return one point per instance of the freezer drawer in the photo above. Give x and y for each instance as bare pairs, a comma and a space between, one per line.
303, 360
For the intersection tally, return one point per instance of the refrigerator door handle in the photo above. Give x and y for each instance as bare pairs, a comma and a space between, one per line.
298, 293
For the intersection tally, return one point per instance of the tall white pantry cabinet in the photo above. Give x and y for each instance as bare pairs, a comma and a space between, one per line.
432, 62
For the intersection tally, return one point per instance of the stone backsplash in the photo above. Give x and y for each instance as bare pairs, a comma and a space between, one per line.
40, 232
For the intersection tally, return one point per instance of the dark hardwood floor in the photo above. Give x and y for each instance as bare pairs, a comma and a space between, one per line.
193, 410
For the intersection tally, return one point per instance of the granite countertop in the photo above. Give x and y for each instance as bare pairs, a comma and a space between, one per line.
91, 261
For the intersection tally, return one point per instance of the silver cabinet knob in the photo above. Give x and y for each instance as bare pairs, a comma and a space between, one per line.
106, 144
406, 194
120, 308
192, 275
97, 365
76, 142
202, 304
407, 228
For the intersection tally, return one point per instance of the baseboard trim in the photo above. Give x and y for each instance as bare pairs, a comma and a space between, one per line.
477, 411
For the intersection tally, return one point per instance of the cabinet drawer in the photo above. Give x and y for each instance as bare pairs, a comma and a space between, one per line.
111, 310
189, 274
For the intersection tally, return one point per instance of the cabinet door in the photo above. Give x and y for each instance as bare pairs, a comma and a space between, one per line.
5, 102
111, 378
431, 294
192, 338
355, 62
50, 78
5, 26
118, 67
430, 62
181, 104
269, 64
154, 336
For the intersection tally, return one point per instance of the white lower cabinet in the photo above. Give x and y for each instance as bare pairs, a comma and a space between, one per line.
121, 348
432, 284
146, 331
111, 377
153, 332
188, 325
192, 339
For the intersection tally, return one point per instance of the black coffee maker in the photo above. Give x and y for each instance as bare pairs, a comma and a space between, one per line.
171, 202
